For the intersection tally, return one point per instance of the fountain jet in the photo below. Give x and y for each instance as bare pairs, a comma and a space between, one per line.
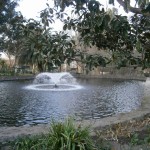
62, 81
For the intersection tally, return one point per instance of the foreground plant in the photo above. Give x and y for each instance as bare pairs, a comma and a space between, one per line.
68, 136
62, 136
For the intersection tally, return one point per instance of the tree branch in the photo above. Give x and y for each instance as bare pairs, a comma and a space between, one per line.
132, 9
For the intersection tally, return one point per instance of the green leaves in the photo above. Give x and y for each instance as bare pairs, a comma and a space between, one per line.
44, 48
111, 2
68, 136
140, 24
95, 61
138, 46
147, 9
51, 10
107, 32
93, 6
62, 136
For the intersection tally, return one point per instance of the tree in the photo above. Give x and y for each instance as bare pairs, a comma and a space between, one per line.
10, 40
32, 42
141, 29
141, 6
44, 48
106, 31
9, 19
7, 12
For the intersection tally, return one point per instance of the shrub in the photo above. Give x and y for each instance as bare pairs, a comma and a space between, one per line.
62, 136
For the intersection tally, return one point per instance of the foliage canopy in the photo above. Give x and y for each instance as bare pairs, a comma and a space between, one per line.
35, 43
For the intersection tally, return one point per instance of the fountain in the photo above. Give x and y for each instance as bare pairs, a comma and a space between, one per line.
62, 81
58, 95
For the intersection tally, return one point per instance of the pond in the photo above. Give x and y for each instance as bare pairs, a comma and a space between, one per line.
97, 98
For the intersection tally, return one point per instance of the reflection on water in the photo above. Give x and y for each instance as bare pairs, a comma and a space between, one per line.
99, 98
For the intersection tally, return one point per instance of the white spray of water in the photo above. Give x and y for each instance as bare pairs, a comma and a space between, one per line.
54, 78
46, 81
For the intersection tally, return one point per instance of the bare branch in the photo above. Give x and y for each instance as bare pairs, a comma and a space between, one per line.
132, 9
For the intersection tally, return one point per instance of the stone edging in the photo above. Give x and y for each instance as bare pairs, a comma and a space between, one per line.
109, 76
14, 78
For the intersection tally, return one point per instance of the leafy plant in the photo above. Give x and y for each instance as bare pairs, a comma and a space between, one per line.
62, 136
67, 136
31, 143
135, 139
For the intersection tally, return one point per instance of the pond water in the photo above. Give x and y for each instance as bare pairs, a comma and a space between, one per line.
97, 98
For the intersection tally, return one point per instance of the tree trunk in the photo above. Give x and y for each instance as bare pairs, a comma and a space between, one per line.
40, 67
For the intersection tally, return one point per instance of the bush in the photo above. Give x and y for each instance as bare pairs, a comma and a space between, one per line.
62, 136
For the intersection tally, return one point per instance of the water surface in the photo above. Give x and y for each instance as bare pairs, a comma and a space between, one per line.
97, 99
